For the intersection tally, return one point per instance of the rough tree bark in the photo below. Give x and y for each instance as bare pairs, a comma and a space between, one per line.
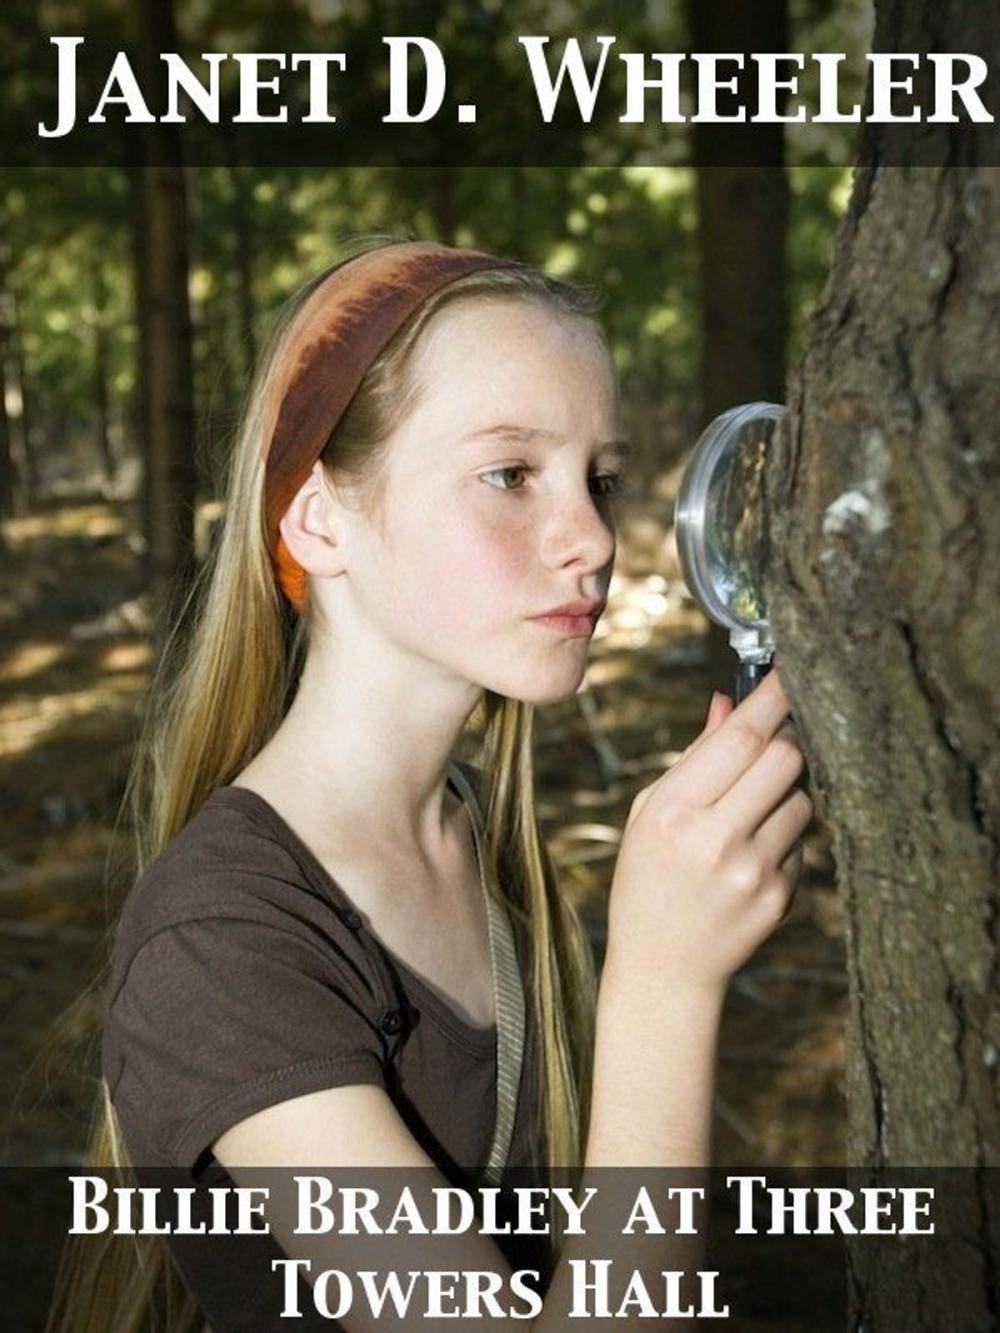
884, 591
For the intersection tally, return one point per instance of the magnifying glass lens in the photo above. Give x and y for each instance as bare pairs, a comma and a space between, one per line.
735, 533
722, 538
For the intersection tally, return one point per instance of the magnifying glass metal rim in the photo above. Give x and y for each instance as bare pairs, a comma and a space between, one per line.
689, 508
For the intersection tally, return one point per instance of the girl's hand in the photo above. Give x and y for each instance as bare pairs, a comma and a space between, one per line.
711, 854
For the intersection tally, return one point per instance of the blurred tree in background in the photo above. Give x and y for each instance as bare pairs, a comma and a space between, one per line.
69, 304
83, 253
112, 378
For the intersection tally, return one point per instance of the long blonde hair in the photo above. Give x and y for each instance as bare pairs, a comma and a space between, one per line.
221, 690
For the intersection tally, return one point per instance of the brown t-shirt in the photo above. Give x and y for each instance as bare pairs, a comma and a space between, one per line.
243, 976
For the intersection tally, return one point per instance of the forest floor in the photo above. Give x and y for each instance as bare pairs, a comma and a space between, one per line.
74, 665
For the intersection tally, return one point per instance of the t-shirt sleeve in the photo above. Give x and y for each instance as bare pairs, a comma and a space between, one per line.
220, 1017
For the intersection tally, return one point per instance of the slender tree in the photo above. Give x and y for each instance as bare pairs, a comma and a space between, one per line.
245, 241
101, 373
743, 206
18, 370
7, 479
165, 333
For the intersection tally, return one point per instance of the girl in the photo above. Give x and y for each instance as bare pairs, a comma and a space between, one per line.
348, 949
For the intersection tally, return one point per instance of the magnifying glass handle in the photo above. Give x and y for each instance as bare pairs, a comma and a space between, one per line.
748, 677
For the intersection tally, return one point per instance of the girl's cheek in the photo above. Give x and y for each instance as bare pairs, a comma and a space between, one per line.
477, 566
506, 543
475, 541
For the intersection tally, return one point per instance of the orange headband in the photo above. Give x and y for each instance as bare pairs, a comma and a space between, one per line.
339, 331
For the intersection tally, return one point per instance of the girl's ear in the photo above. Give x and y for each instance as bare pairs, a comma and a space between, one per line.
313, 526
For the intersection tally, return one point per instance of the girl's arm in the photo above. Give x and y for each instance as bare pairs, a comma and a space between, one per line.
652, 1107
704, 874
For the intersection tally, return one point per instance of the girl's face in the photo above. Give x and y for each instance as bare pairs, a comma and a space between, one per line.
497, 501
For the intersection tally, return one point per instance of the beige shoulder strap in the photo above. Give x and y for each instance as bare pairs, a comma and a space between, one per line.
508, 993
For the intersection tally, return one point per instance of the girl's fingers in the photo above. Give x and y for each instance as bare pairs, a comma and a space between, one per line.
718, 760
779, 835
791, 868
752, 798
721, 707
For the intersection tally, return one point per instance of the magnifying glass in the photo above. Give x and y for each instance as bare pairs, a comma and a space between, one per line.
722, 536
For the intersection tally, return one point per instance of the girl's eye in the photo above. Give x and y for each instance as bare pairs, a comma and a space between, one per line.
605, 483
610, 483
505, 472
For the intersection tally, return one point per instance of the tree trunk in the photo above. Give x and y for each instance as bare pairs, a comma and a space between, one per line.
101, 377
166, 324
29, 465
140, 399
8, 482
245, 239
742, 235
165, 330
443, 202
884, 587
521, 209
742, 231
7, 486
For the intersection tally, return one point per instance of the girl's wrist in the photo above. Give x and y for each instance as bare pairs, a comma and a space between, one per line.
662, 989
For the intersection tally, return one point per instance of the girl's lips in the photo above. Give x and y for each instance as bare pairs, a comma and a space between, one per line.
574, 626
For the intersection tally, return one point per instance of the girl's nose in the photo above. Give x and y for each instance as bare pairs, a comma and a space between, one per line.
579, 532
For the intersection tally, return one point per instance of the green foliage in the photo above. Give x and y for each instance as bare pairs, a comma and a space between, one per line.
256, 233
68, 245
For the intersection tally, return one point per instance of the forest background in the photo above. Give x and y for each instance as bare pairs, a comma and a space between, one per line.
117, 413
85, 477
